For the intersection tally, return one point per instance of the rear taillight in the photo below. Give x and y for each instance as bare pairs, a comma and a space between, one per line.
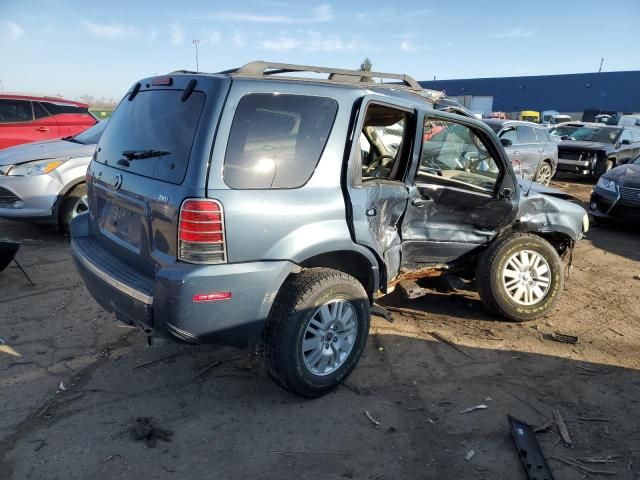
201, 232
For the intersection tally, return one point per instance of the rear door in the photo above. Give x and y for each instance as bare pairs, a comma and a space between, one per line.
44, 123
461, 193
529, 151
71, 119
376, 180
153, 154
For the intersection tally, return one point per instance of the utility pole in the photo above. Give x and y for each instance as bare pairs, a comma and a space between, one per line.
1, 87
601, 62
196, 43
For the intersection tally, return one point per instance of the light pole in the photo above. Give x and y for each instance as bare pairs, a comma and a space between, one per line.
196, 43
1, 86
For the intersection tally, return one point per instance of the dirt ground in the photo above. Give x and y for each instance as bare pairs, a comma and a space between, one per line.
73, 382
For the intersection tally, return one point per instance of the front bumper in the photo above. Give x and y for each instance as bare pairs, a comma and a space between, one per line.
584, 167
164, 305
28, 198
611, 206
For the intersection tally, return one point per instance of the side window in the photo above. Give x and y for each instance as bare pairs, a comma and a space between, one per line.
384, 139
526, 134
60, 108
626, 135
14, 111
635, 136
542, 134
39, 111
276, 140
510, 134
456, 155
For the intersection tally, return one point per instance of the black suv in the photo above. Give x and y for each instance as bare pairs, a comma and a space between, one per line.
595, 149
249, 206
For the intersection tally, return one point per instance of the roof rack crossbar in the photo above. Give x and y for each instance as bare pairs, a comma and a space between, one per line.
261, 69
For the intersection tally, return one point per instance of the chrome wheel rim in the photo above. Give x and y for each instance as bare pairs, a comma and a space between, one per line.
526, 277
81, 206
544, 175
329, 337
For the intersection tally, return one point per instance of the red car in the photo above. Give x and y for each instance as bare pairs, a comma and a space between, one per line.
26, 119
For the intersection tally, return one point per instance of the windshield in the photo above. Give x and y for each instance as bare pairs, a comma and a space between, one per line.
594, 134
636, 161
152, 134
91, 135
530, 118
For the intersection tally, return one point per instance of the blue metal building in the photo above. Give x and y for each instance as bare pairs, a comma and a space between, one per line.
572, 94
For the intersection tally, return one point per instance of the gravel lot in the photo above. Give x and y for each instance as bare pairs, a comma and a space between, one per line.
73, 382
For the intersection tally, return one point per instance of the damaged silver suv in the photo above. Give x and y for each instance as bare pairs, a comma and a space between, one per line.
261, 205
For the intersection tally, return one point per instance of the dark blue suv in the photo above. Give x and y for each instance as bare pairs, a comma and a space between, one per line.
250, 206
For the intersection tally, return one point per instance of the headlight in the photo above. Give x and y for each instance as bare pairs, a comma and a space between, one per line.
585, 223
609, 185
39, 167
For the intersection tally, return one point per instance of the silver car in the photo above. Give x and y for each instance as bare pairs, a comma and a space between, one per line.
533, 154
44, 182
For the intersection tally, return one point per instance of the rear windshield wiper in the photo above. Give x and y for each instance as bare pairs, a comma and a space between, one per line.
142, 154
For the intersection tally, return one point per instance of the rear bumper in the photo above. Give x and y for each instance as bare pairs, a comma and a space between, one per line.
164, 305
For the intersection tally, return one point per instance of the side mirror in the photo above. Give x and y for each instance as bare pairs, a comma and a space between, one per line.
506, 142
625, 142
506, 193
563, 137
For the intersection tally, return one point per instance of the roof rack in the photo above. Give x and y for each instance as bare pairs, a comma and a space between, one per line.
263, 69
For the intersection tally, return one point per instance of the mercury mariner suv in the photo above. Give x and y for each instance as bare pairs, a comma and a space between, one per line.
262, 204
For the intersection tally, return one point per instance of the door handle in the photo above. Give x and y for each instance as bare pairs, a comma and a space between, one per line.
43, 129
516, 152
420, 202
371, 212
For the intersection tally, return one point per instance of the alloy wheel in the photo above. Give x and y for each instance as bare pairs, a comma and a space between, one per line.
329, 337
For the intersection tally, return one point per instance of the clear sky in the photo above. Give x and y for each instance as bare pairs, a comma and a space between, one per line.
100, 48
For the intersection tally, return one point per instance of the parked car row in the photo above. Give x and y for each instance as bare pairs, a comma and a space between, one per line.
25, 119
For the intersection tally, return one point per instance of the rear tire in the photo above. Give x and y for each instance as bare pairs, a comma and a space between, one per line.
305, 354
74, 204
520, 277
544, 173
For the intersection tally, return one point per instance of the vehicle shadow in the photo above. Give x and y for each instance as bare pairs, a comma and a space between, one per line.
617, 238
399, 415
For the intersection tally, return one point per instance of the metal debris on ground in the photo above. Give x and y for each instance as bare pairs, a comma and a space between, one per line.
529, 450
582, 468
443, 339
380, 311
61, 387
373, 420
144, 429
469, 455
564, 338
410, 289
473, 409
607, 459
564, 431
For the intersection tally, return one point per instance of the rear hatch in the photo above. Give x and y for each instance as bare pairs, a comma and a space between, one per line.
153, 154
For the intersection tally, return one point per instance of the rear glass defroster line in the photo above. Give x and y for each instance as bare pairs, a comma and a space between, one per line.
188, 90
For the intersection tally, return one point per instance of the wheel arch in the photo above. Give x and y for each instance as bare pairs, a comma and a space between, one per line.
350, 262
62, 196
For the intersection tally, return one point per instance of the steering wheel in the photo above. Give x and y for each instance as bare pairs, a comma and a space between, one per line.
379, 162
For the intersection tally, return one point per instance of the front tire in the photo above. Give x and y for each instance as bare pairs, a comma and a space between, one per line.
520, 277
316, 331
74, 204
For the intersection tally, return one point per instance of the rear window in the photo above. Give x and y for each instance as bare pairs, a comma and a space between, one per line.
61, 108
152, 135
277, 140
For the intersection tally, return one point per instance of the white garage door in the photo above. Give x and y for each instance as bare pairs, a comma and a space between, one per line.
482, 104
